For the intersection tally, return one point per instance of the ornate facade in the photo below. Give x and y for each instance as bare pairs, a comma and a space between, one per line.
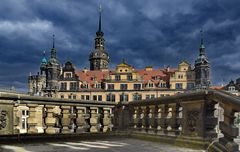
122, 84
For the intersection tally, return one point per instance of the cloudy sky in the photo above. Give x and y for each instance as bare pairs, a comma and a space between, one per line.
153, 32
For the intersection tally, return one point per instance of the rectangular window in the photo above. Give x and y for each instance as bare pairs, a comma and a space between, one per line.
178, 86
63, 86
110, 86
190, 86
82, 97
137, 96
87, 97
129, 77
152, 96
123, 97
137, 86
123, 87
74, 97
117, 77
147, 96
99, 98
73, 86
95, 98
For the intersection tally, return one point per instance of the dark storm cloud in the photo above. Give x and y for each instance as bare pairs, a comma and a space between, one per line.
156, 32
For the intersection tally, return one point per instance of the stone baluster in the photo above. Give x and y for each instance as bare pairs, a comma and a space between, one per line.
152, 119
81, 120
161, 120
33, 119
135, 117
173, 119
95, 120
143, 116
66, 120
229, 130
107, 120
50, 120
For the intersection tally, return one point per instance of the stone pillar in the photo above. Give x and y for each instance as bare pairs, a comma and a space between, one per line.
66, 119
229, 130
40, 122
161, 121
16, 121
152, 119
210, 120
193, 118
82, 117
33, 119
50, 120
94, 120
107, 122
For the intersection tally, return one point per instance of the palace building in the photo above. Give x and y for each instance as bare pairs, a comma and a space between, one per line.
122, 84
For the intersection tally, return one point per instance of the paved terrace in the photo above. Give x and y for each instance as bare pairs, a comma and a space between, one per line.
105, 145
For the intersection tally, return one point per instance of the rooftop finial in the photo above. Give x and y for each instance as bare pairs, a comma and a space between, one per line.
53, 41
123, 60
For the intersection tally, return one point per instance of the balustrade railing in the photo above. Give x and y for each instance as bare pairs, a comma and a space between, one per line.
38, 115
188, 118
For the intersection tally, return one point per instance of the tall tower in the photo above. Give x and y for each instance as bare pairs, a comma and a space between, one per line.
99, 58
202, 68
52, 72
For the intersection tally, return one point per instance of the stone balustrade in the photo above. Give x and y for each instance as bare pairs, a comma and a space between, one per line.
39, 115
183, 119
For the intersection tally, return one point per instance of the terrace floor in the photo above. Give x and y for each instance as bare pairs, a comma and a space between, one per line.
105, 145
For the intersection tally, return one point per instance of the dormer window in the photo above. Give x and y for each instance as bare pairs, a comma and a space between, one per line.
232, 88
162, 85
85, 85
68, 75
150, 85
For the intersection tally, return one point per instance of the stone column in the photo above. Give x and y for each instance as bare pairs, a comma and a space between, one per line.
82, 117
66, 119
107, 122
229, 130
94, 120
50, 120
40, 122
33, 119
152, 119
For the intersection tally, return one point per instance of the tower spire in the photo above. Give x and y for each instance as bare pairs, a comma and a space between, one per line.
53, 41
100, 18
202, 47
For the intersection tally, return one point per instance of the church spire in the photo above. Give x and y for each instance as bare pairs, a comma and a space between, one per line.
53, 51
100, 19
202, 47
53, 41
99, 32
